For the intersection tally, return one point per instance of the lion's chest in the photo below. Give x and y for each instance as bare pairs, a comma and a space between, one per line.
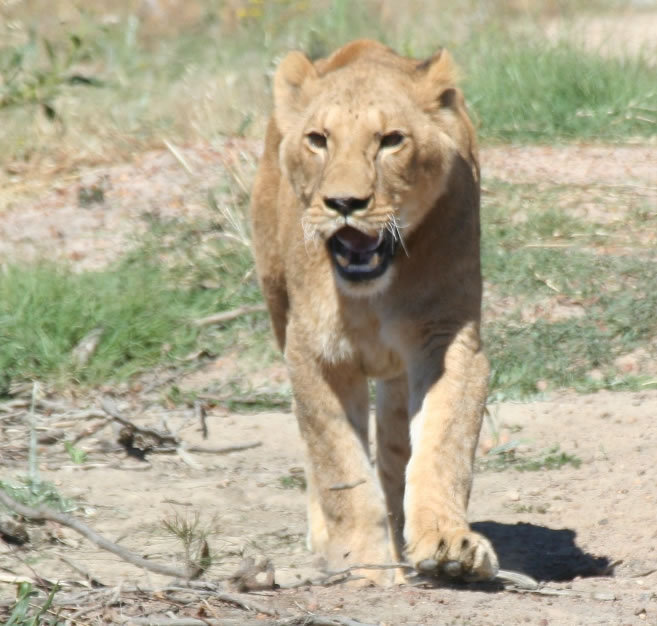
380, 361
351, 332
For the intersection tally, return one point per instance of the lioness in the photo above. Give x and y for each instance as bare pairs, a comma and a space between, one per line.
365, 217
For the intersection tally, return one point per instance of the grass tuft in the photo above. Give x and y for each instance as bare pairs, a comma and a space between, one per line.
193, 536
26, 613
144, 309
211, 77
524, 88
565, 311
35, 492
506, 457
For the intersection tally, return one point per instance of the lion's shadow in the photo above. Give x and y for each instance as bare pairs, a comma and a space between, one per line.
545, 554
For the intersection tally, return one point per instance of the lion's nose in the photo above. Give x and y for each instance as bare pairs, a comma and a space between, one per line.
346, 205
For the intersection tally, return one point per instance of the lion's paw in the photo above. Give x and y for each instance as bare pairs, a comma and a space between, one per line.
457, 553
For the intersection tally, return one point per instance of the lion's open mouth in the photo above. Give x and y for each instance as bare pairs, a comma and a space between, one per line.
358, 256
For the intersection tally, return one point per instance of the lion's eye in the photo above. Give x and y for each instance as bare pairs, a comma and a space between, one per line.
392, 140
317, 140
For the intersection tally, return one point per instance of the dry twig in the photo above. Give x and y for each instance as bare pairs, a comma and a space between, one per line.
320, 620
162, 438
224, 449
229, 316
46, 514
303, 620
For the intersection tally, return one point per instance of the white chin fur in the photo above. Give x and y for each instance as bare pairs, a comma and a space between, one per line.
368, 288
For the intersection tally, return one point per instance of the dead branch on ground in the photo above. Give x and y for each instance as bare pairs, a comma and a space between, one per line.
301, 620
238, 447
149, 440
44, 513
161, 438
229, 316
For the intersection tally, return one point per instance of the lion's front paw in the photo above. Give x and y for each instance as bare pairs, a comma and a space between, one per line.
458, 553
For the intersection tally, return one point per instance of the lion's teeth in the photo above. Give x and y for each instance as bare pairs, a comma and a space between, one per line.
374, 261
343, 261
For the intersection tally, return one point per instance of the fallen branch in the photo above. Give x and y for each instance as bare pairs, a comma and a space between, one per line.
320, 620
244, 603
229, 316
225, 449
240, 601
179, 621
303, 620
44, 513
162, 438
150, 440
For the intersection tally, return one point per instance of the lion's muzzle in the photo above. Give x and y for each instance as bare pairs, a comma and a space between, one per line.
359, 257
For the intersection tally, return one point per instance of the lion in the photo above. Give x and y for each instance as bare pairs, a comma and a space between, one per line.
365, 225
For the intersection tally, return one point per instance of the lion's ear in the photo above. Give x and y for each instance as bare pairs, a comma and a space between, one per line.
292, 88
439, 80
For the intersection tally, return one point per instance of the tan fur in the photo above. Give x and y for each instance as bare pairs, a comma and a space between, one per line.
415, 329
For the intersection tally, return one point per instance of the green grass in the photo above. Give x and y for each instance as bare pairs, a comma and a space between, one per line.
293, 481
36, 492
506, 457
93, 89
27, 612
529, 90
145, 306
609, 299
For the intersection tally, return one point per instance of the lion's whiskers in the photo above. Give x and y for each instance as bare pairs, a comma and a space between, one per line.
395, 230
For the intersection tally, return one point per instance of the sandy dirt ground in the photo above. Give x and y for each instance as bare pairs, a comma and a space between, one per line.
587, 534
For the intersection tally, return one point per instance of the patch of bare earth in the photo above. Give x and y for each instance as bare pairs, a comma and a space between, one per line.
587, 534
91, 218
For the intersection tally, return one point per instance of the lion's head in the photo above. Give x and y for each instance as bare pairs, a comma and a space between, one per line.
368, 140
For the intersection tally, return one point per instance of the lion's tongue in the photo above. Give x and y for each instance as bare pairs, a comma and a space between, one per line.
357, 241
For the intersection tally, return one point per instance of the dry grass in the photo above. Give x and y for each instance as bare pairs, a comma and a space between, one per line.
97, 82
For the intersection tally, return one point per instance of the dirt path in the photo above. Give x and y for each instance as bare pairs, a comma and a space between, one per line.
589, 532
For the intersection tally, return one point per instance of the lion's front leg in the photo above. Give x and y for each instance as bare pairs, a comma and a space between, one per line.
447, 402
347, 517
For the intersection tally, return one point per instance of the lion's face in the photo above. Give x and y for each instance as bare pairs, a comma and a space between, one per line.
367, 150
